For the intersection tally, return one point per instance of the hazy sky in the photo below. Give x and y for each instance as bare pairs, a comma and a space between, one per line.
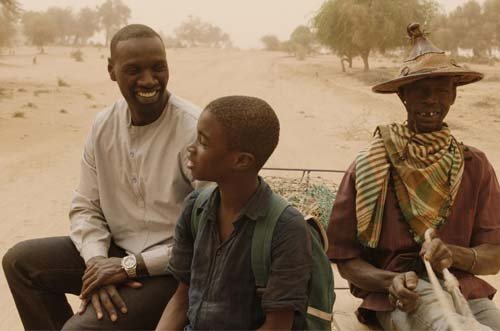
245, 20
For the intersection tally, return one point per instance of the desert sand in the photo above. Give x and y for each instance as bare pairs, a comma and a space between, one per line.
326, 117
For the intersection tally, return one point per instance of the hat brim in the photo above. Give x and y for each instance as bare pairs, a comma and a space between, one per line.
461, 78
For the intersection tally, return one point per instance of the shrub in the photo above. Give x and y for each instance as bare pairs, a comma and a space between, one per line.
77, 55
62, 83
18, 114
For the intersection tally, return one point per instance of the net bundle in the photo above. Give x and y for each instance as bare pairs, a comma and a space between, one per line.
310, 195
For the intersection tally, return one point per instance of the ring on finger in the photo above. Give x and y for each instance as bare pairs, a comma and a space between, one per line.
399, 304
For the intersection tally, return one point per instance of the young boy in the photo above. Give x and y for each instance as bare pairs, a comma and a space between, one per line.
217, 290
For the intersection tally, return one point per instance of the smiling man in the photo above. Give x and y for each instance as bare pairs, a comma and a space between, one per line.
132, 184
416, 176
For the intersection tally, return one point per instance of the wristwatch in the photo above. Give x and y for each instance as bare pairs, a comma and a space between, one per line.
129, 264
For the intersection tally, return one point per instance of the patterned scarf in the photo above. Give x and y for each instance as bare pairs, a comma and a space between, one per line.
427, 170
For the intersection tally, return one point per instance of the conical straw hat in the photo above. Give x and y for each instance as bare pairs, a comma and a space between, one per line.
425, 61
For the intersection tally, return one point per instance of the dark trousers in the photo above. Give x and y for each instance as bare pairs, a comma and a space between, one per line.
40, 272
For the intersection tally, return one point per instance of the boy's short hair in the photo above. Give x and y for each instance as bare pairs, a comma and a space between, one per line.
132, 31
250, 124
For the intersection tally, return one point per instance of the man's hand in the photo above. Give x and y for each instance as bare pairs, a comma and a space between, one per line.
109, 298
103, 271
402, 293
438, 254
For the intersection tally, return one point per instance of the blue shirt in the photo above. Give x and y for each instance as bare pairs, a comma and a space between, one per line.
222, 290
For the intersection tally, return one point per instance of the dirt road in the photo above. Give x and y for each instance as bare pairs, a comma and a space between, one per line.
326, 117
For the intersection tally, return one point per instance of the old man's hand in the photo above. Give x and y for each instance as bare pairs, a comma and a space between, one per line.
438, 254
402, 294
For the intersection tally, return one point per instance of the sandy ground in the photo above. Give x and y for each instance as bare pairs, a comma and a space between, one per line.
326, 117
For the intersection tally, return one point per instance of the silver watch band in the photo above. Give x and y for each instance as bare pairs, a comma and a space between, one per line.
129, 264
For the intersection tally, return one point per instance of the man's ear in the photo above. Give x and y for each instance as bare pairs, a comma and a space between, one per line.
400, 94
111, 70
244, 161
454, 94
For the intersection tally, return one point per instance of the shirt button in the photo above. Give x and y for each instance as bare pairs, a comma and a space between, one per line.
132, 154
134, 180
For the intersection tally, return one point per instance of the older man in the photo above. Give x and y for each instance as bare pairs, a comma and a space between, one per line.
416, 176
132, 184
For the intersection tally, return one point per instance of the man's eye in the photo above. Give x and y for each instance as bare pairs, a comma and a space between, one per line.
160, 67
200, 140
131, 71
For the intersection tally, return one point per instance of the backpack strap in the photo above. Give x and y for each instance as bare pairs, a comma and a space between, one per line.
262, 239
203, 195
320, 231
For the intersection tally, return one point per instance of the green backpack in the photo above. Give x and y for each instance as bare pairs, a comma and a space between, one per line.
321, 295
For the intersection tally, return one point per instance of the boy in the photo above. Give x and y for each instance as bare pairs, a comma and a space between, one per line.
217, 290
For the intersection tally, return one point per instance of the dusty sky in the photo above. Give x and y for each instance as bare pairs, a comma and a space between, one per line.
245, 20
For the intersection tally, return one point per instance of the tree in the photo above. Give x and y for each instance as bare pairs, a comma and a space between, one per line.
86, 25
356, 27
64, 20
9, 14
12, 8
194, 32
491, 10
469, 26
113, 15
466, 27
39, 28
302, 40
271, 42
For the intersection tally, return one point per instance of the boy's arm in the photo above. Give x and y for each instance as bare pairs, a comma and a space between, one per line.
278, 320
291, 265
174, 316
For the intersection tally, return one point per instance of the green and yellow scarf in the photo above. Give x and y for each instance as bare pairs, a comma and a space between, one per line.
427, 172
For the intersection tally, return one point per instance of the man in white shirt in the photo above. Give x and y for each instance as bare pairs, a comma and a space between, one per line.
133, 181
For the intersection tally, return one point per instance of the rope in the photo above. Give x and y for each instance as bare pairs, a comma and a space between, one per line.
305, 170
445, 305
453, 287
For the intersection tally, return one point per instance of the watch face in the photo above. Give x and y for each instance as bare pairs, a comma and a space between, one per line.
129, 261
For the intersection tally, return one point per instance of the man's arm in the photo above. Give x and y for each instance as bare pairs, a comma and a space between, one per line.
400, 286
89, 230
485, 261
486, 235
479, 260
174, 316
483, 255
366, 276
92, 238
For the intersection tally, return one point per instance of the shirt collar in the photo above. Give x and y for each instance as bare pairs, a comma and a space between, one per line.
129, 116
255, 208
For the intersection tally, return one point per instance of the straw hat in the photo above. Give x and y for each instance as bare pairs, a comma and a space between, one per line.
424, 61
